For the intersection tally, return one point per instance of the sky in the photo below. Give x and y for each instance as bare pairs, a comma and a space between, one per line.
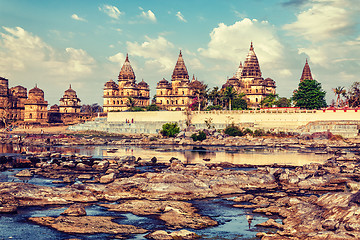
84, 43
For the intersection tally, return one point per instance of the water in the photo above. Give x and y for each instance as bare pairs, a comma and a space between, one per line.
232, 221
253, 156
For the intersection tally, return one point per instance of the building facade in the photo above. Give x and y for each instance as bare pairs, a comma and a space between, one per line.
36, 106
248, 80
70, 103
126, 93
177, 94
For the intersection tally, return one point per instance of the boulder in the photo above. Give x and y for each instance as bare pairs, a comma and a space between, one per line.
77, 209
108, 178
24, 173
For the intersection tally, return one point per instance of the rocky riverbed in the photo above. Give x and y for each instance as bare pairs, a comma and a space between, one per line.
314, 201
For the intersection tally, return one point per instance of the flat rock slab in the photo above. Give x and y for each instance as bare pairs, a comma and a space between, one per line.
87, 225
176, 214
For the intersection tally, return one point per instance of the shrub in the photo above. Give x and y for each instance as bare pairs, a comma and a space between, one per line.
259, 132
233, 130
248, 131
214, 107
200, 137
170, 129
152, 107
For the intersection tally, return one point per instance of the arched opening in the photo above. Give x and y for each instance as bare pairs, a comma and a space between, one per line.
30, 115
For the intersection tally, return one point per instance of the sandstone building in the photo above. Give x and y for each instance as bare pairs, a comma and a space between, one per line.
248, 80
177, 94
12, 101
306, 74
118, 96
69, 103
36, 106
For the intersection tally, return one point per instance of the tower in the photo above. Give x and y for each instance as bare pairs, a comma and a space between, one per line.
306, 74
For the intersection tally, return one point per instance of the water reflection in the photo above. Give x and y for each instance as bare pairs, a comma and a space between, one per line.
190, 155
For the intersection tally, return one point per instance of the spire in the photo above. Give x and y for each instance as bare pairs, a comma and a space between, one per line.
127, 72
239, 71
251, 66
180, 72
70, 86
306, 74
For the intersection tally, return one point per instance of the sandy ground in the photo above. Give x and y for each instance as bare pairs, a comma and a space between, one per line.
37, 130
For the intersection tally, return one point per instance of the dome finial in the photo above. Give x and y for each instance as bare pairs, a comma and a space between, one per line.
70, 86
127, 57
251, 46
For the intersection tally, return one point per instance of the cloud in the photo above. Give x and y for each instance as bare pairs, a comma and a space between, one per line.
156, 51
111, 11
294, 2
22, 51
232, 42
149, 15
76, 17
323, 19
180, 16
117, 58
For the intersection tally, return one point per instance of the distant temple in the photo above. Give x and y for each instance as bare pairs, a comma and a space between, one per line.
69, 103
118, 96
177, 94
248, 80
306, 74
36, 106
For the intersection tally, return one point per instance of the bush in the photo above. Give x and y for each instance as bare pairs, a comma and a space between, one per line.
214, 107
170, 129
233, 130
248, 131
200, 137
136, 109
152, 107
259, 133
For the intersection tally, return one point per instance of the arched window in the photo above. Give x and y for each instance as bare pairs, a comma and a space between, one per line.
256, 91
183, 92
183, 102
176, 101
121, 101
117, 101
160, 101
30, 115
41, 115
167, 101
161, 93
256, 100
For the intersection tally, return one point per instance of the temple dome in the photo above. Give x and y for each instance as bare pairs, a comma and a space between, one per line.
126, 72
180, 72
110, 84
251, 67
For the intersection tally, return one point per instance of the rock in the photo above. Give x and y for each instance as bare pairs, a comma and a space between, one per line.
159, 235
75, 210
271, 223
184, 234
84, 177
24, 173
108, 178
330, 224
8, 209
87, 225
103, 165
244, 198
82, 166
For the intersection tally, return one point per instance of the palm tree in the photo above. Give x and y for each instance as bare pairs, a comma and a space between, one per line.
215, 96
229, 94
339, 91
130, 102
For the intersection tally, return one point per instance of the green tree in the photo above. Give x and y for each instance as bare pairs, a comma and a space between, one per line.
130, 102
270, 100
309, 95
283, 102
215, 96
239, 103
152, 107
353, 95
170, 129
228, 94
339, 91
200, 90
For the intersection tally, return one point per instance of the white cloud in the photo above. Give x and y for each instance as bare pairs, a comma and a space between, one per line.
21, 51
76, 17
157, 52
117, 58
111, 11
148, 15
323, 20
180, 16
232, 42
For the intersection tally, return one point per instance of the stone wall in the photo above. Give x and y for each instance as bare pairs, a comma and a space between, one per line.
343, 122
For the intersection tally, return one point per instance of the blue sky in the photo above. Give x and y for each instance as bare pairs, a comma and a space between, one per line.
84, 43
